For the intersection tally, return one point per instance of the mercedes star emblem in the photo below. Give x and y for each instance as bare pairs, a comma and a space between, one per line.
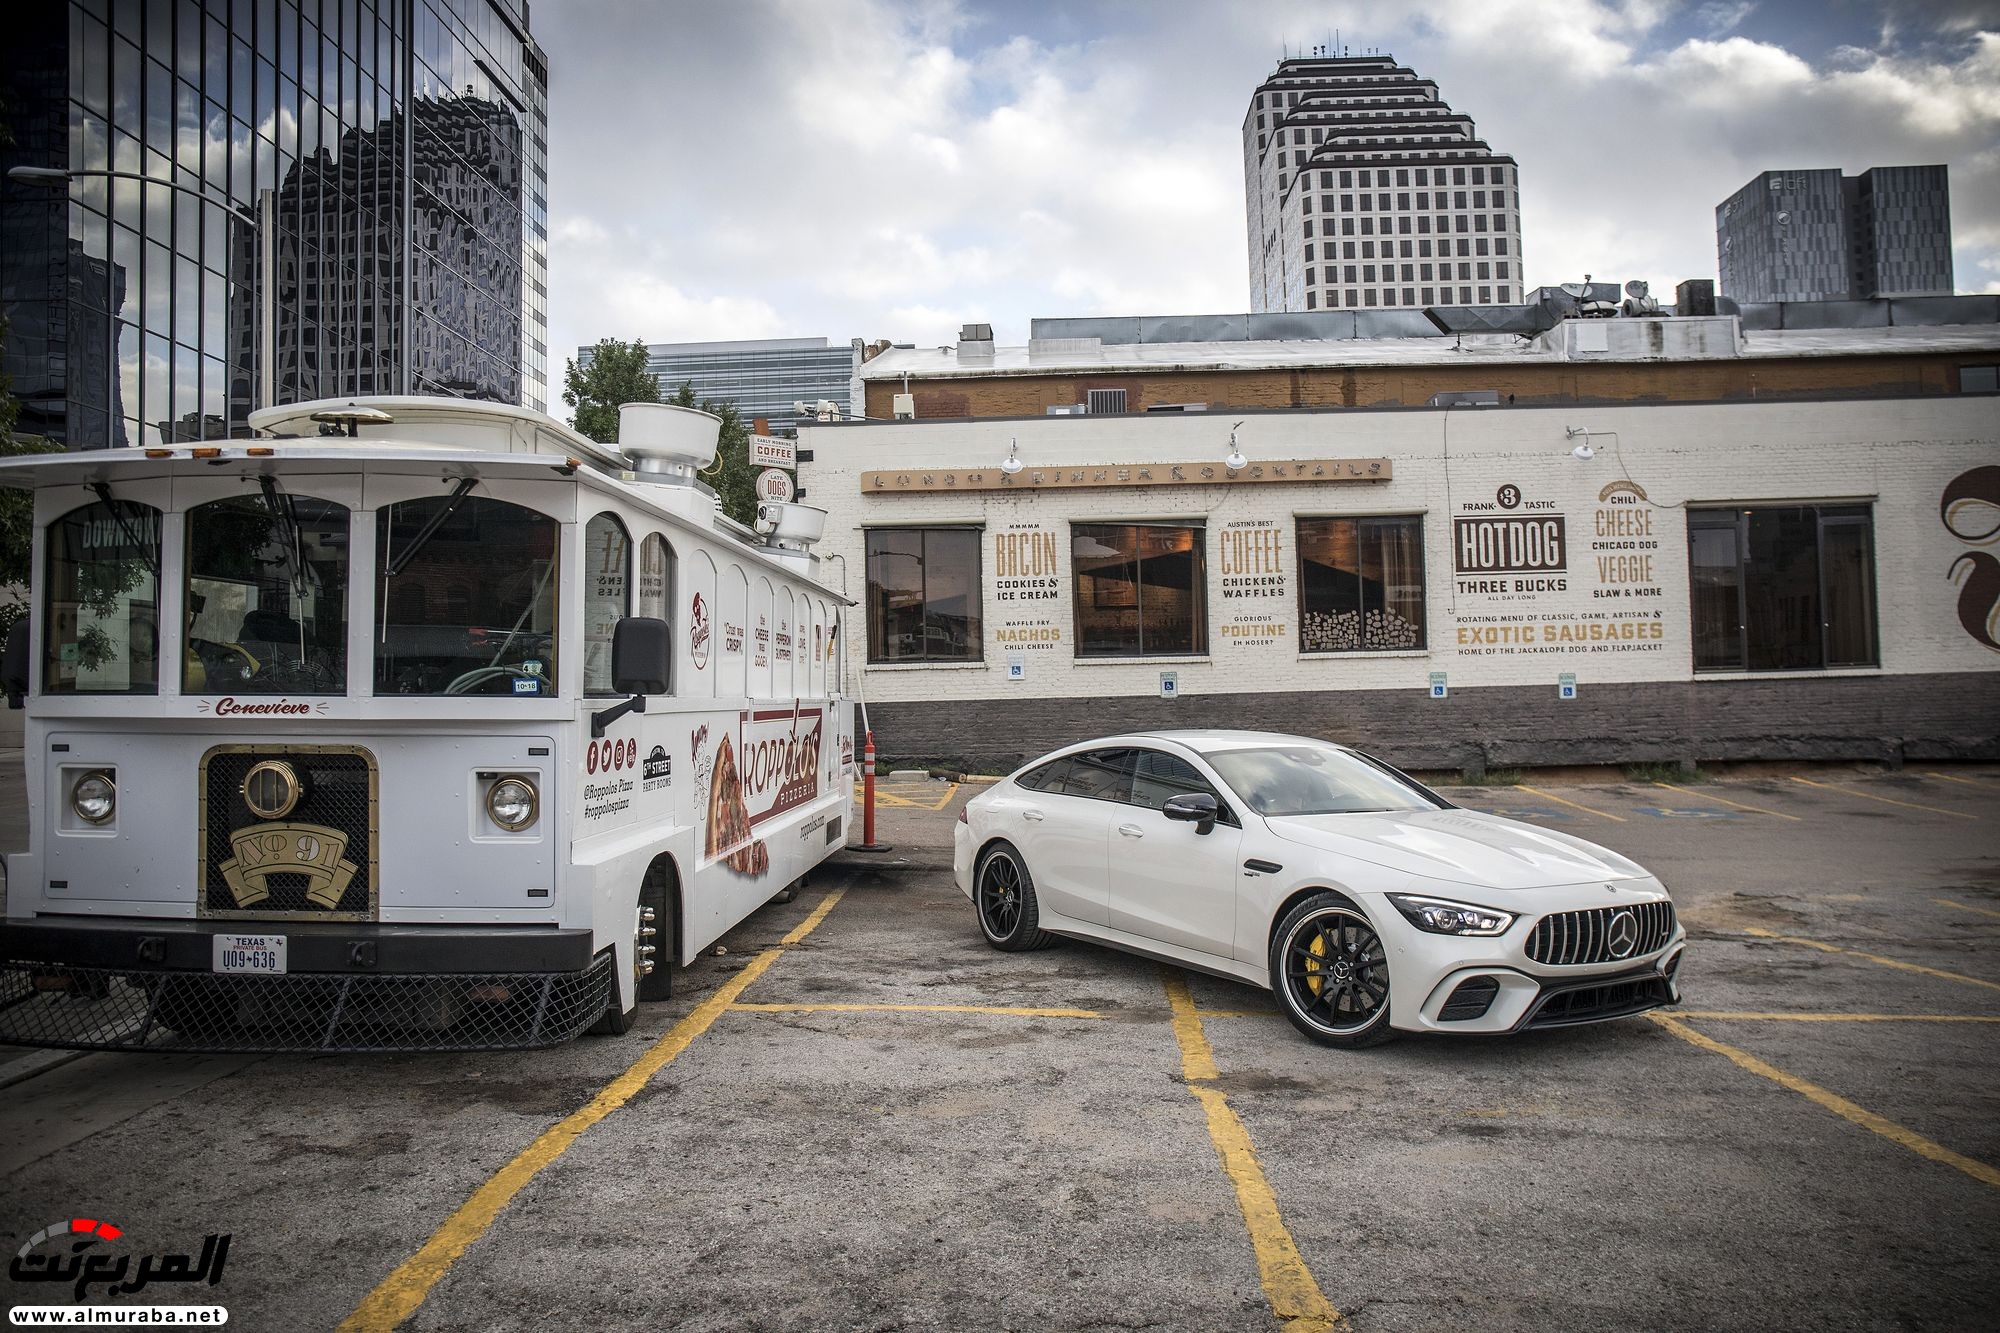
1623, 937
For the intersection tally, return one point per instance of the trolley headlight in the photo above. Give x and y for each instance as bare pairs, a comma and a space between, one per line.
94, 797
1448, 918
513, 803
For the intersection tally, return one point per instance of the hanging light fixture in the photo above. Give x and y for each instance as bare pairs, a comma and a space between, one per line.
1236, 462
1012, 464
1583, 452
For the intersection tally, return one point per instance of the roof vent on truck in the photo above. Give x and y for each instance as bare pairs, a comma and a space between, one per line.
668, 445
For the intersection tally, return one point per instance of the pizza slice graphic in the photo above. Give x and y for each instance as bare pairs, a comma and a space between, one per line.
729, 818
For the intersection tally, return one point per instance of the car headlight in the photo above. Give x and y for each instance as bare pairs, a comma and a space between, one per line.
1447, 918
513, 803
94, 797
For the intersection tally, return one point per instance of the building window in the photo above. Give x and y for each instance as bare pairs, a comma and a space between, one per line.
1782, 587
1361, 584
1141, 590
1113, 400
923, 595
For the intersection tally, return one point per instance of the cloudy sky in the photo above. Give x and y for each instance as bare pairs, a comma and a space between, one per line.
772, 168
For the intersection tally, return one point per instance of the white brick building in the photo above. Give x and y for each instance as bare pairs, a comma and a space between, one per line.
1364, 190
1720, 581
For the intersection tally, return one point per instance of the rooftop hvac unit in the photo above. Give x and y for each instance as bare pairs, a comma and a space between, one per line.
1466, 398
1066, 410
904, 407
1178, 407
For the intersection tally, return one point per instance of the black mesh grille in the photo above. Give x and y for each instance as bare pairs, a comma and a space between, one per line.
93, 1008
1569, 939
336, 789
1470, 999
1594, 1004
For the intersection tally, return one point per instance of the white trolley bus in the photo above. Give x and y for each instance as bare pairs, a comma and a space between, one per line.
410, 723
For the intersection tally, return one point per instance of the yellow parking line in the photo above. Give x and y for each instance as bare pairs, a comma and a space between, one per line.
1839, 1105
1005, 1010
1970, 782
891, 798
1709, 795
1295, 1297
401, 1293
1966, 907
1871, 957
1886, 800
1551, 796
1837, 1018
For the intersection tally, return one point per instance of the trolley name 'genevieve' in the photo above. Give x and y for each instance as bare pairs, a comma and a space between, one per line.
410, 723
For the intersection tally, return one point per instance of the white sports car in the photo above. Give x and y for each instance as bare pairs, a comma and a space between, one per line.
1365, 901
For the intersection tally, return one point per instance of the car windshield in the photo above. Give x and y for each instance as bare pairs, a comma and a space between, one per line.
1310, 779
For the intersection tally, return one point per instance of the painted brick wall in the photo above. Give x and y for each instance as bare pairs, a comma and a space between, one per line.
1502, 651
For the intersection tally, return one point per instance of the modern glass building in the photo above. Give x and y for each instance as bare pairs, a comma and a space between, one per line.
762, 377
1816, 235
271, 200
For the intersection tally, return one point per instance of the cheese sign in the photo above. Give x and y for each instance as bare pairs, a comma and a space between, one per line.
770, 451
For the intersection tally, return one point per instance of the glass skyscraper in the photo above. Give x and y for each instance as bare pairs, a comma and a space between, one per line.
339, 197
760, 377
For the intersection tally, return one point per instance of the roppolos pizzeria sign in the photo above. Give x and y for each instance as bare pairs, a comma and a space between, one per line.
920, 481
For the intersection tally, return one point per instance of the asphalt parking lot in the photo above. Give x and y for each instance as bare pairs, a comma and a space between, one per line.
860, 1117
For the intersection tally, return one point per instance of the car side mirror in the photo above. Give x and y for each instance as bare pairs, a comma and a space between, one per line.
642, 655
1198, 808
14, 664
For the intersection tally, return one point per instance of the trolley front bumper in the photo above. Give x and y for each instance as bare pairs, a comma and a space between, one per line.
348, 986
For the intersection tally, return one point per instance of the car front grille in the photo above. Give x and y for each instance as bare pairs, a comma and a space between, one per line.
1615, 998
317, 860
1574, 939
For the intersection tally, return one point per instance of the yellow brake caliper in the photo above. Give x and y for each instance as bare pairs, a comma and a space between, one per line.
1314, 969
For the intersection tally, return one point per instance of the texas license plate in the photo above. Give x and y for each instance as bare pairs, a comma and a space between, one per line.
259, 955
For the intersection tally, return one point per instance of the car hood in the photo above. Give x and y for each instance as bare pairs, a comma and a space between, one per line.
1459, 846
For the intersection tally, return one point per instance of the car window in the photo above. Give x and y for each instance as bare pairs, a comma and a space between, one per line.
1308, 778
1043, 777
1157, 776
1100, 775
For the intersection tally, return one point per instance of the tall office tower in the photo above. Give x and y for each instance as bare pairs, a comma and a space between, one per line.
761, 377
1814, 235
268, 201
1364, 190
1899, 231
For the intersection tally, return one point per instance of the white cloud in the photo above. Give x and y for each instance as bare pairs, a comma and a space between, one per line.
865, 168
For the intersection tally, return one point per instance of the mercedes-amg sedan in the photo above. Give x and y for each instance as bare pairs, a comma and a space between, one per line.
1366, 902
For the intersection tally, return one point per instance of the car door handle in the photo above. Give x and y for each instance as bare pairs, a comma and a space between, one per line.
1035, 815
1132, 830
1255, 867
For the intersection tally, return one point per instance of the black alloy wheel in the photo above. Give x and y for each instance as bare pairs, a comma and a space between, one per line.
1331, 973
1003, 893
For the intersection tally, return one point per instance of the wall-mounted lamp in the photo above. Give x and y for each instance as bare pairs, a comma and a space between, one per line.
1236, 462
1583, 452
1012, 464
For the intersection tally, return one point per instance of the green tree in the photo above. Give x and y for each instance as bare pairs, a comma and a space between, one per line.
616, 374
730, 475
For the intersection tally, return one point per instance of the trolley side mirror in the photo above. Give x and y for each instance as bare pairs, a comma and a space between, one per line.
642, 655
642, 659
14, 664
